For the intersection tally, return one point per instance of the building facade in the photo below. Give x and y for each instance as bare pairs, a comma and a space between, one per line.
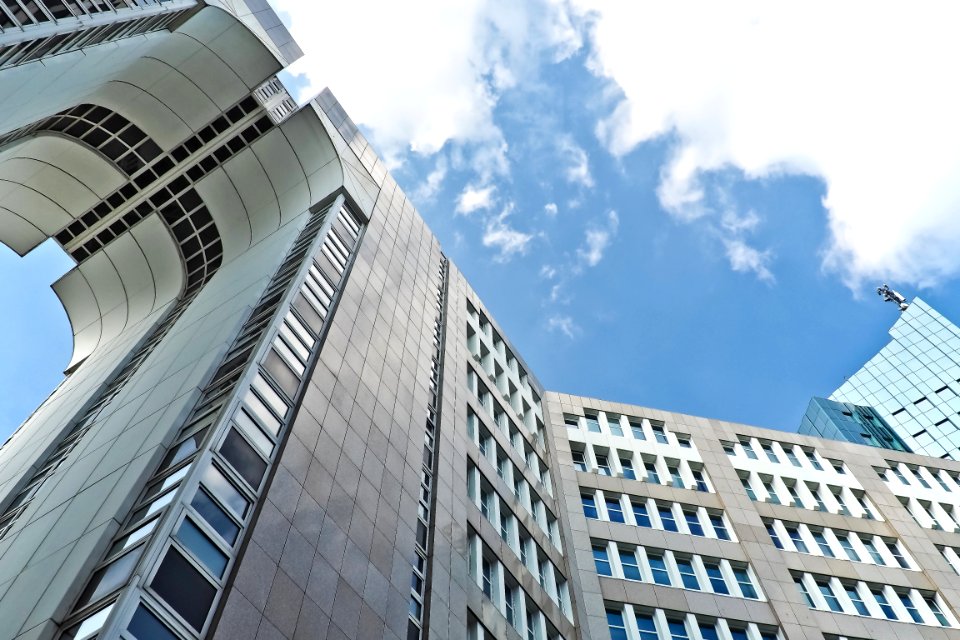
913, 382
851, 422
288, 415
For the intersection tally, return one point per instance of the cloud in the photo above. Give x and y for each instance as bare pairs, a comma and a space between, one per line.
550, 209
597, 239
506, 239
430, 72
563, 324
747, 259
578, 163
475, 198
548, 272
813, 89
429, 187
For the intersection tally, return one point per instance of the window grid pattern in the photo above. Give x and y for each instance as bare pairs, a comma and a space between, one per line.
78, 24
420, 581
839, 543
633, 622
640, 511
839, 499
644, 467
858, 598
675, 569
197, 558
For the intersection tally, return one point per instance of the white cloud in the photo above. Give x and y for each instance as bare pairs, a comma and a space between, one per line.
475, 198
747, 259
578, 167
507, 240
550, 209
852, 93
597, 239
427, 72
429, 187
548, 272
563, 324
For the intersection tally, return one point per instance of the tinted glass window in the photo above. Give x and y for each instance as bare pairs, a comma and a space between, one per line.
224, 489
202, 547
110, 578
184, 588
146, 626
215, 516
243, 458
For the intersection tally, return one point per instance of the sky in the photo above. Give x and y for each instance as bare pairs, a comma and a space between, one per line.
683, 205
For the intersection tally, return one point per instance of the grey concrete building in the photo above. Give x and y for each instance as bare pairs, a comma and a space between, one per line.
288, 415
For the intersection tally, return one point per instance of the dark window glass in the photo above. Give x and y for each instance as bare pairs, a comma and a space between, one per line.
146, 626
224, 489
244, 459
202, 547
184, 588
215, 516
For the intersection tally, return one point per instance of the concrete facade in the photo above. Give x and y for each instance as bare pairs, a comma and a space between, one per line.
288, 415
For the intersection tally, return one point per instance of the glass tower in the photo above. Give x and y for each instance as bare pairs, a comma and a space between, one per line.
846, 421
913, 382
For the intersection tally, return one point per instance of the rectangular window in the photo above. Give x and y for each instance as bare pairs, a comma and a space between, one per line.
848, 547
717, 583
693, 523
719, 526
658, 568
872, 550
603, 466
935, 609
627, 466
708, 631
746, 486
884, 604
812, 457
202, 547
617, 625
822, 543
589, 506
641, 515
637, 429
798, 542
701, 482
647, 627
486, 569
858, 603
628, 560
827, 591
894, 549
768, 449
613, 422
652, 475
579, 463
184, 588
572, 422
144, 624
910, 607
678, 630
772, 496
687, 575
666, 518
791, 456
614, 510
748, 449
744, 582
593, 425
816, 496
676, 479
659, 434
243, 458
602, 561
773, 536
798, 580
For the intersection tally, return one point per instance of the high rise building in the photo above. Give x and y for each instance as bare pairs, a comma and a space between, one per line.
913, 382
846, 421
288, 415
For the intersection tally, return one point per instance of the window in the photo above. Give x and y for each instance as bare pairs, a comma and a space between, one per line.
744, 582
838, 467
746, 485
910, 607
816, 496
572, 422
146, 626
593, 425
827, 591
919, 476
708, 631
747, 449
717, 583
200, 545
768, 449
678, 630
486, 568
579, 462
627, 466
884, 604
728, 449
700, 481
848, 547
838, 496
641, 515
797, 502
243, 458
658, 568
628, 560
935, 609
675, 478
652, 475
772, 532
872, 549
613, 422
821, 541
798, 542
603, 466
812, 457
857, 601
798, 580
719, 527
684, 442
940, 481
693, 522
614, 510
616, 625
666, 518
637, 429
647, 627
894, 549
216, 517
900, 476
659, 434
589, 506
791, 456
772, 496
184, 588
687, 574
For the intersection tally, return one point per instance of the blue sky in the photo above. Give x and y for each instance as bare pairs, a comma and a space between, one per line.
689, 215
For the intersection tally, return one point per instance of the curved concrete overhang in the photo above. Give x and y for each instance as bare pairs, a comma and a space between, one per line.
170, 87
